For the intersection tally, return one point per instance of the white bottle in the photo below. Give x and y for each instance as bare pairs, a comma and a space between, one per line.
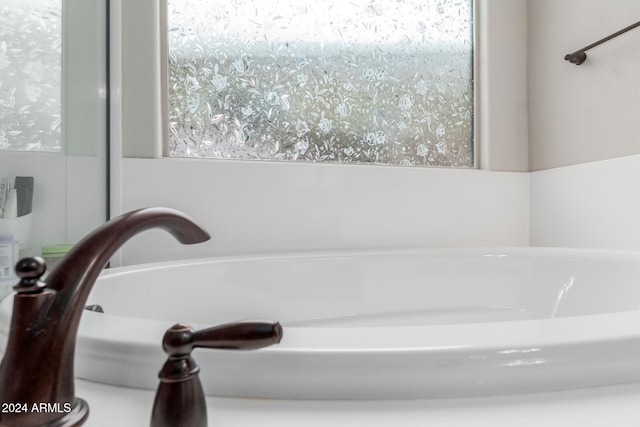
4, 192
11, 207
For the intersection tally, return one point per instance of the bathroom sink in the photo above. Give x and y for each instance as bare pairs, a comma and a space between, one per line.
392, 324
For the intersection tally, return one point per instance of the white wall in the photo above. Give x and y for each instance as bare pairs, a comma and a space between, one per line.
590, 112
584, 125
590, 205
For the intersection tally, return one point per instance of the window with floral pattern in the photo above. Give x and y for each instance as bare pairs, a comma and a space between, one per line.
360, 81
30, 74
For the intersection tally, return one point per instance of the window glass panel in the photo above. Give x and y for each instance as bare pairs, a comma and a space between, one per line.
375, 81
30, 74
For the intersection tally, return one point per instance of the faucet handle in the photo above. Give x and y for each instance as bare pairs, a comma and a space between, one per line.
181, 339
180, 399
30, 270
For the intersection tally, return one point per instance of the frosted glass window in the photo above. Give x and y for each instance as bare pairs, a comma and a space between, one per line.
30, 74
375, 81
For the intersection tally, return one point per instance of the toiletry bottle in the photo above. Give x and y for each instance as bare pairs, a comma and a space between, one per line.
53, 254
11, 207
4, 192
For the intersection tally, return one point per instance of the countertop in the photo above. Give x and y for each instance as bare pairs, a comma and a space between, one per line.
617, 405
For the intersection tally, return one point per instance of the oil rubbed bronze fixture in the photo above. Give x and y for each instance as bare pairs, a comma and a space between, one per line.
180, 399
579, 56
37, 367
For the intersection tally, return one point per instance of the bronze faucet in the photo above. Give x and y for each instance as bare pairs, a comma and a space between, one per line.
36, 373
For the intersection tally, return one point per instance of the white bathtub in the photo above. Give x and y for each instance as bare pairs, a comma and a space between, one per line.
378, 324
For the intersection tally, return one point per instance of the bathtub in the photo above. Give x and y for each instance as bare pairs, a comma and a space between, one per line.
395, 324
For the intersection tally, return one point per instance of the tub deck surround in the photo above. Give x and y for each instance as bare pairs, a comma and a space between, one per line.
596, 407
392, 324
308, 207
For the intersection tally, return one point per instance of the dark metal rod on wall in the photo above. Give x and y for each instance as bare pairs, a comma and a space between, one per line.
579, 56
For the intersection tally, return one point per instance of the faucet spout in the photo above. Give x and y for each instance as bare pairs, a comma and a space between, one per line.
37, 367
75, 275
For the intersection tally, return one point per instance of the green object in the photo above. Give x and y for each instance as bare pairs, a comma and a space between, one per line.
55, 251
53, 254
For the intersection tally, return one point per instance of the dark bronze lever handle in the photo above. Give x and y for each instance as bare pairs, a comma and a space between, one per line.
180, 398
181, 339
